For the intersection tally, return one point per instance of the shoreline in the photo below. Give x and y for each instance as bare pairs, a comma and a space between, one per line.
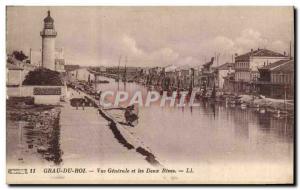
39, 129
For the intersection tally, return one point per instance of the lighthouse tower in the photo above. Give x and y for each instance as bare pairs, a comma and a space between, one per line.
48, 43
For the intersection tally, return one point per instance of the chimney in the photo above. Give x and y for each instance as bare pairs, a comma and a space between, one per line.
284, 53
251, 50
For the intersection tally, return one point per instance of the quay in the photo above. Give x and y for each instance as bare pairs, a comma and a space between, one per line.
120, 133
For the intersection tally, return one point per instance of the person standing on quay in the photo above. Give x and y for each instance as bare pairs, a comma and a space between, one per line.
82, 103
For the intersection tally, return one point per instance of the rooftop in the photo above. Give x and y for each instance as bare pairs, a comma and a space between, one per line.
225, 66
48, 18
71, 67
288, 67
259, 53
282, 65
60, 61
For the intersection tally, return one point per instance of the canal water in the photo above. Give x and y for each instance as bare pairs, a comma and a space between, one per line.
222, 144
210, 133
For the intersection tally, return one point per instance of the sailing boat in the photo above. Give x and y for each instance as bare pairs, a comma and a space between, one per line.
191, 88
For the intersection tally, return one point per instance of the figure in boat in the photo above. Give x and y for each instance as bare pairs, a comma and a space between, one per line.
130, 116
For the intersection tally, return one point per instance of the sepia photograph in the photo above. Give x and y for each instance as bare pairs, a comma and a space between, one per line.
150, 95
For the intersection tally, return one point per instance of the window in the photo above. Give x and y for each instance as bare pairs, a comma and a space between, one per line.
276, 78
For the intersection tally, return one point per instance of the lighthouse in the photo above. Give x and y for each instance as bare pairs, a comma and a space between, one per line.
48, 35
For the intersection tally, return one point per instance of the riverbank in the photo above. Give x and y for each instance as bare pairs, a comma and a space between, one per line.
278, 107
119, 135
119, 132
32, 129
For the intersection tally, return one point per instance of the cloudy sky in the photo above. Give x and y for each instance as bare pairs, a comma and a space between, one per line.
152, 36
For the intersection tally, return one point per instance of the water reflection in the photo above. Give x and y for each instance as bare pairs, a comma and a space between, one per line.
211, 130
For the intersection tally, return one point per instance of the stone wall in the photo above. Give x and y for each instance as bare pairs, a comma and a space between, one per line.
28, 91
36, 128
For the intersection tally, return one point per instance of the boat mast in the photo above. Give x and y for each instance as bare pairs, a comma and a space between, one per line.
285, 87
119, 72
125, 70
119, 67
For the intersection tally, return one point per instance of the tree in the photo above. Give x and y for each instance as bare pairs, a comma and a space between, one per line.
43, 76
19, 55
9, 60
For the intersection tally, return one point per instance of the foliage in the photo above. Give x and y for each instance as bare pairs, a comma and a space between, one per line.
19, 55
43, 76
9, 60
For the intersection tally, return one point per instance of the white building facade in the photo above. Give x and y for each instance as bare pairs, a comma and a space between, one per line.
247, 65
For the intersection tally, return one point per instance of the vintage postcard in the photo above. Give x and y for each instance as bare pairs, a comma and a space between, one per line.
150, 95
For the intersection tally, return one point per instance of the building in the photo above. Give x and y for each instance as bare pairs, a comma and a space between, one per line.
124, 73
223, 71
207, 75
16, 72
71, 72
48, 35
185, 77
81, 74
14, 75
247, 65
100, 69
122, 70
277, 79
35, 57
48, 57
59, 60
152, 76
229, 83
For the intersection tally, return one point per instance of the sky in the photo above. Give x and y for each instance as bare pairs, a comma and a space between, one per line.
152, 36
